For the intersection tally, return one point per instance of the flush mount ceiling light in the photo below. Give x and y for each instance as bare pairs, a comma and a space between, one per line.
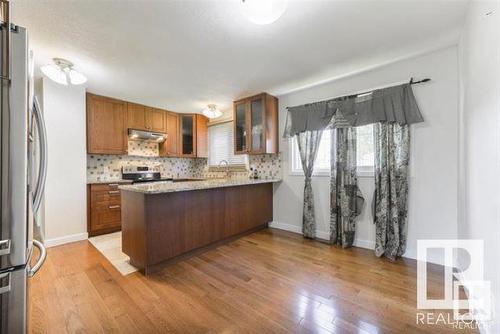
263, 11
62, 72
211, 111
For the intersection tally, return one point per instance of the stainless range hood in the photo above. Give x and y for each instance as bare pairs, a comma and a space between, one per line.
157, 137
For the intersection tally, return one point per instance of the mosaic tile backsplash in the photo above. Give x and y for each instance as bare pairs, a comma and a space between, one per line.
108, 167
104, 168
268, 165
142, 148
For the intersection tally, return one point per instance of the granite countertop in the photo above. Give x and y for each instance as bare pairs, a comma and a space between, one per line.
169, 186
120, 181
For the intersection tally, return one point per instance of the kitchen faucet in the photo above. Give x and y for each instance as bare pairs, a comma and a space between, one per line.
227, 166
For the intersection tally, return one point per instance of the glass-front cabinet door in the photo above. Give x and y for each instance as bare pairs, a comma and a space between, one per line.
187, 135
257, 125
240, 127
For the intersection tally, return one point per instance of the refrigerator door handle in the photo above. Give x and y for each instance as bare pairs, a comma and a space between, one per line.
5, 20
42, 170
43, 255
4, 247
4, 282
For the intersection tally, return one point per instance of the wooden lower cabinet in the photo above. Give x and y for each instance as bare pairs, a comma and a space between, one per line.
159, 228
103, 209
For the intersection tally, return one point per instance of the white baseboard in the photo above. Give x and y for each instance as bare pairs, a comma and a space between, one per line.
368, 244
411, 253
361, 243
65, 239
286, 227
323, 235
319, 234
297, 229
487, 329
484, 327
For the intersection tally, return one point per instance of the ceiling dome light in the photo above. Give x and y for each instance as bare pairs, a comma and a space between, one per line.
76, 78
54, 73
264, 11
211, 111
62, 72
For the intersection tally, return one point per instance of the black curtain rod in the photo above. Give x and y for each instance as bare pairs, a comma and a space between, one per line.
419, 81
412, 82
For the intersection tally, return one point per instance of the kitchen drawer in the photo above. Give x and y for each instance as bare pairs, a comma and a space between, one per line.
104, 187
112, 196
104, 209
105, 218
108, 205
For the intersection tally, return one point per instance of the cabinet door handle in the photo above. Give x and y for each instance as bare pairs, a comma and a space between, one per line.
114, 207
113, 185
114, 192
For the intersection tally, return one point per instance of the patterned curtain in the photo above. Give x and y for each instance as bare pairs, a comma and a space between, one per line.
392, 147
308, 143
346, 200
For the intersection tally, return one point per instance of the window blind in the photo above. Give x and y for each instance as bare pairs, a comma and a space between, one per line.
221, 145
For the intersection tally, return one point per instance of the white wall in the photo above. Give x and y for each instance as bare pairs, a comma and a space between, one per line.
479, 217
65, 193
434, 153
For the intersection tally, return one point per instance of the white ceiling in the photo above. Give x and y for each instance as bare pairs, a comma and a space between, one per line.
182, 55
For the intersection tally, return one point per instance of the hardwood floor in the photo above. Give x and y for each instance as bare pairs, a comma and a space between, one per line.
267, 282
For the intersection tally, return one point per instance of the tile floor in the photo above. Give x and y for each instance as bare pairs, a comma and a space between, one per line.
110, 245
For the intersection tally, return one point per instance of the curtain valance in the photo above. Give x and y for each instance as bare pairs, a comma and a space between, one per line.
307, 117
392, 104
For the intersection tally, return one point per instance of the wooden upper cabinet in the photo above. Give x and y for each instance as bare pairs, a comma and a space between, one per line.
108, 121
201, 136
240, 131
156, 119
170, 148
256, 125
187, 135
146, 118
106, 125
136, 116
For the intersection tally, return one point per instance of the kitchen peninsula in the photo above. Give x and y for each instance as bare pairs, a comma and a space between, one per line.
165, 221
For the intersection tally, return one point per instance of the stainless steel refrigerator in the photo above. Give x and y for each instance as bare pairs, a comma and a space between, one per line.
23, 166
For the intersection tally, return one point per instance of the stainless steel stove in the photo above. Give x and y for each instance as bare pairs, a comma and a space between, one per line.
140, 174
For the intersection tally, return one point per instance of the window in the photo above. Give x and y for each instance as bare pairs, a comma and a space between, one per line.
221, 145
364, 153
322, 163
